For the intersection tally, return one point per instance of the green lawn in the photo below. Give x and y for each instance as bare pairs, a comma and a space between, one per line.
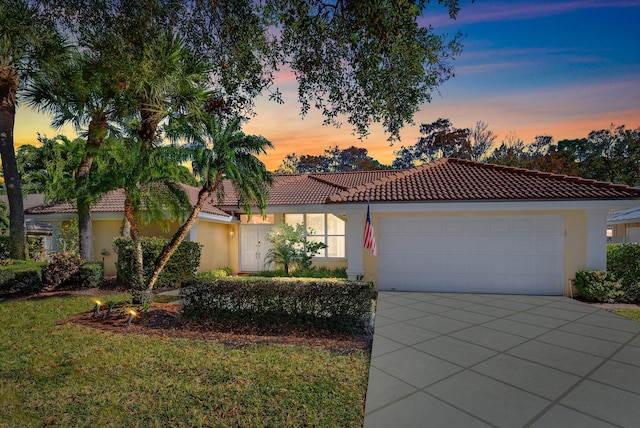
70, 375
631, 313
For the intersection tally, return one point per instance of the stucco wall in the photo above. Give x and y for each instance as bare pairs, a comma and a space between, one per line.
216, 245
575, 250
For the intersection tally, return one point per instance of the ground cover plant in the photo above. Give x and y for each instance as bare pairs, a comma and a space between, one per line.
66, 374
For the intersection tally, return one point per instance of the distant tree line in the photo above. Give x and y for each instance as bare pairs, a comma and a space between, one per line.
611, 154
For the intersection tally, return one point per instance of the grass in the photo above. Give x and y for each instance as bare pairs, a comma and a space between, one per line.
631, 313
70, 375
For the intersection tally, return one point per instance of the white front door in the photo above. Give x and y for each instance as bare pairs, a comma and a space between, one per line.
254, 247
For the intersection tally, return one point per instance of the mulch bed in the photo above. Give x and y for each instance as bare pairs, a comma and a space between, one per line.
165, 320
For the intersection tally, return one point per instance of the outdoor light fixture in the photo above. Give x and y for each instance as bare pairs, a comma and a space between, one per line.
132, 314
232, 234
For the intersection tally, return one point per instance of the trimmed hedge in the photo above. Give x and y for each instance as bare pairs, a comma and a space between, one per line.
90, 275
180, 269
21, 277
327, 304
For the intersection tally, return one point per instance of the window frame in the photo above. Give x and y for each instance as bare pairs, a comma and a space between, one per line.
322, 237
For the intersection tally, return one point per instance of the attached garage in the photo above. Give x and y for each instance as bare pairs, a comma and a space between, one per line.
520, 254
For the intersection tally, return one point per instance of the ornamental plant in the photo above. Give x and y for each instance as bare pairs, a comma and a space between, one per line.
290, 247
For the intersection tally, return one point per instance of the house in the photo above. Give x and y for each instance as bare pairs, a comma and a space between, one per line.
448, 226
624, 226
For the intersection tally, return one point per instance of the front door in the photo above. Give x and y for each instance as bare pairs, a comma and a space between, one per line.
254, 247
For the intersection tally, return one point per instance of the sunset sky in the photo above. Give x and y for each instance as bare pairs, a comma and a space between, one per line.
559, 68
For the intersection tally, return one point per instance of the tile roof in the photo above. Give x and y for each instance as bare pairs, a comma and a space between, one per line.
113, 202
463, 180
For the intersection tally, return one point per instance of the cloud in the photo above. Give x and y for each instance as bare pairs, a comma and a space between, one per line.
514, 11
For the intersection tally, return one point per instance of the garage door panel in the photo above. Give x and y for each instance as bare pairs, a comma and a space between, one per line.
501, 254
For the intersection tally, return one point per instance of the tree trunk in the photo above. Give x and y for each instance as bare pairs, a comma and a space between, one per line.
8, 89
177, 238
138, 263
98, 128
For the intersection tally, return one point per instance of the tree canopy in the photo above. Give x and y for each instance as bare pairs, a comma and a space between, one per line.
334, 159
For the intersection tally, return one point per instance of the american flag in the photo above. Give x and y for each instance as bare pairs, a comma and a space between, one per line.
369, 238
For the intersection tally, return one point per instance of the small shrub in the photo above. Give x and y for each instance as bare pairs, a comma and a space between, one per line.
180, 268
21, 277
63, 267
623, 261
90, 275
290, 247
215, 273
602, 286
327, 304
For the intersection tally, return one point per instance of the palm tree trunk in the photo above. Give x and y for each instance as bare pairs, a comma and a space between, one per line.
177, 238
8, 90
98, 128
138, 291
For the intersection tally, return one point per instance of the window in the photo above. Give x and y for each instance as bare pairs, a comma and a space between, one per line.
325, 228
256, 219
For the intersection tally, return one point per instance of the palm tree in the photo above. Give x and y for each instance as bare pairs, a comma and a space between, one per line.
222, 151
150, 179
84, 92
28, 43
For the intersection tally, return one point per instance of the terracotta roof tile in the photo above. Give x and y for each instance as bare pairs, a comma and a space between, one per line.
113, 202
462, 180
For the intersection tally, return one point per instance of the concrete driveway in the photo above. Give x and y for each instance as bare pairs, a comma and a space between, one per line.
477, 360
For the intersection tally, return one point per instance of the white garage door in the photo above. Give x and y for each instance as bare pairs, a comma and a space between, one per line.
505, 254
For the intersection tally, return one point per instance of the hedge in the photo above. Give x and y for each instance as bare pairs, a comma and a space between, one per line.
326, 304
21, 277
623, 261
181, 267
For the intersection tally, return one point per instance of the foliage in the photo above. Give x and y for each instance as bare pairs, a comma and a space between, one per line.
21, 277
68, 237
67, 375
216, 273
334, 160
603, 286
62, 269
441, 139
89, 275
328, 304
312, 272
607, 155
290, 247
182, 266
623, 261
36, 248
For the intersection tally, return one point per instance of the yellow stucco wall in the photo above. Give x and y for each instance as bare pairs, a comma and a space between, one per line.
217, 245
575, 244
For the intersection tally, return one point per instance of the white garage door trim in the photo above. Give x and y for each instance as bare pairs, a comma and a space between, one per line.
519, 254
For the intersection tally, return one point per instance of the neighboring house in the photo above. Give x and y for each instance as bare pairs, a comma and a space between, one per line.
35, 228
624, 226
449, 226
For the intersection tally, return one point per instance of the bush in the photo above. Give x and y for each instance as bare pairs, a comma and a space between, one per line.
312, 272
602, 286
35, 243
90, 275
21, 277
180, 268
327, 304
290, 247
62, 269
215, 273
623, 261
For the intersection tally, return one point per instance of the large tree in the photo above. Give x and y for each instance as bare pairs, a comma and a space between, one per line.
334, 159
363, 62
28, 43
82, 91
221, 151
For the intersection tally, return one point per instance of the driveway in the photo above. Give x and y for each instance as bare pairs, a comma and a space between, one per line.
478, 360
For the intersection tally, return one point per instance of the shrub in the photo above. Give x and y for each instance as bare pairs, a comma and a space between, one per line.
62, 268
21, 277
180, 268
623, 262
602, 286
4, 247
327, 304
90, 275
215, 273
291, 248
312, 272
